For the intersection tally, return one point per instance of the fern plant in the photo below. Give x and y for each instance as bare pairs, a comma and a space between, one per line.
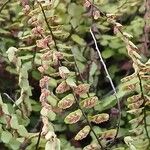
138, 103
49, 45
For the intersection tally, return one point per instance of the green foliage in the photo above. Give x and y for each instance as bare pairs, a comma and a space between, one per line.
54, 86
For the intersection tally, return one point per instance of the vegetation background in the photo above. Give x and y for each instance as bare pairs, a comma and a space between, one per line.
29, 31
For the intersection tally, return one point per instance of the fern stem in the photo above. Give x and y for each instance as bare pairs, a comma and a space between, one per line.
82, 80
88, 122
78, 71
93, 5
146, 25
39, 138
110, 80
144, 110
55, 43
79, 74
146, 5
3, 6
12, 101
49, 28
51, 32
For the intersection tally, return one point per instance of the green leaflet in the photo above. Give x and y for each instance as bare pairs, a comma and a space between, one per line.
6, 136
22, 131
64, 72
55, 3
71, 81
82, 133
89, 102
72, 9
14, 122
78, 40
66, 102
11, 53
54, 145
99, 118
73, 117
